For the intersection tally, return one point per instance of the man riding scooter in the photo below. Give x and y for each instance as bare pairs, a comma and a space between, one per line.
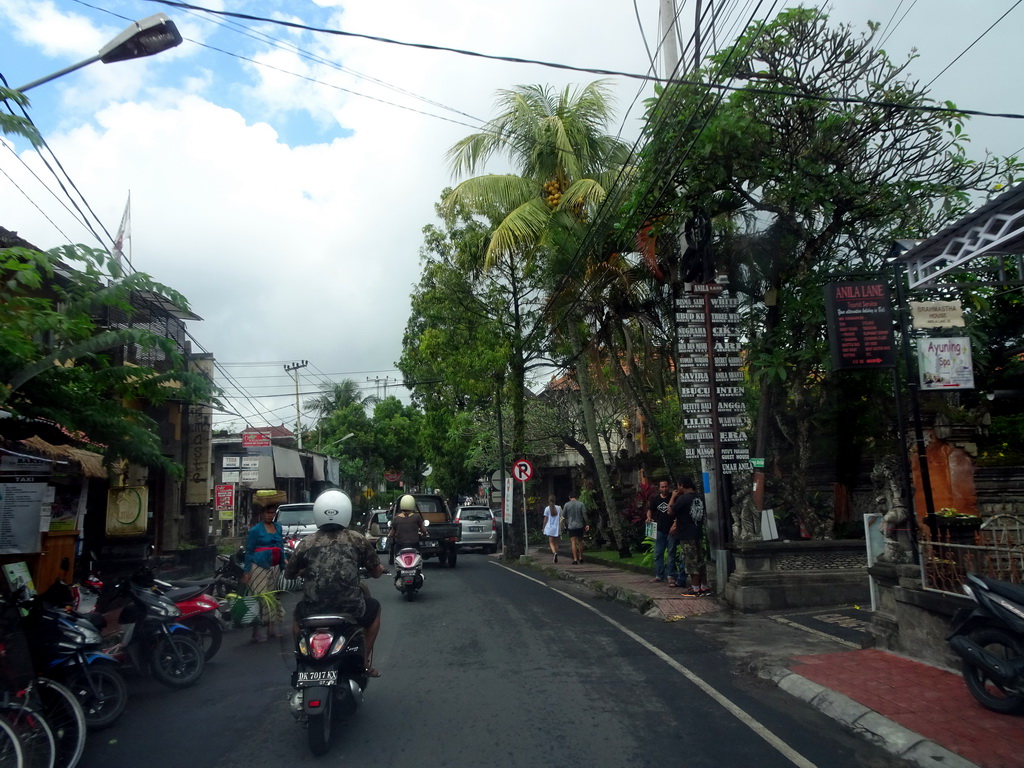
329, 561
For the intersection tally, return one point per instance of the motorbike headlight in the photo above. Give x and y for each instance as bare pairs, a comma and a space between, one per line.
165, 610
969, 592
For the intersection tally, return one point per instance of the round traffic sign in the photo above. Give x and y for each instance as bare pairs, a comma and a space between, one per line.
522, 470
392, 475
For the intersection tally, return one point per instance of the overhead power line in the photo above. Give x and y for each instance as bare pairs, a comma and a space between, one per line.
588, 70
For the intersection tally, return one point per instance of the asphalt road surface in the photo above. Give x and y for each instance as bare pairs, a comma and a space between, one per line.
493, 666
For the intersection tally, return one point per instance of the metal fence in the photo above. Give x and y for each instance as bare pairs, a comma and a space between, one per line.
997, 551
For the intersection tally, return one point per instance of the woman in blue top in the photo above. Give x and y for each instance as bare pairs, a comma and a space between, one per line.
264, 556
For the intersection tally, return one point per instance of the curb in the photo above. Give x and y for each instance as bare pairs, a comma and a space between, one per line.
865, 722
635, 600
861, 720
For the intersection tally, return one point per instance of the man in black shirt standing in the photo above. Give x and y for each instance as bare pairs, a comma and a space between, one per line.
687, 510
658, 512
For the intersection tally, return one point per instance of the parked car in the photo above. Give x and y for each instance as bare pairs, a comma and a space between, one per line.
296, 519
479, 528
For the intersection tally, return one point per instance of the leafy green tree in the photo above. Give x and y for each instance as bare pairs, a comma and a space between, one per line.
825, 156
471, 341
564, 163
57, 362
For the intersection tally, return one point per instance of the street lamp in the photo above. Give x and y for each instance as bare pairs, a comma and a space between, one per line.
151, 35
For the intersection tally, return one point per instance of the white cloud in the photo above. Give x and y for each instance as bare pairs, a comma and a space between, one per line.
310, 251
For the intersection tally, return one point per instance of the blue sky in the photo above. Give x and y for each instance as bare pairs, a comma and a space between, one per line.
286, 200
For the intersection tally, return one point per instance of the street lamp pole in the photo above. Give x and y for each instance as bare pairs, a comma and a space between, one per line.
146, 37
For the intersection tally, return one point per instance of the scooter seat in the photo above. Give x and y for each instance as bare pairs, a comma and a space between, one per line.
328, 620
1014, 592
183, 593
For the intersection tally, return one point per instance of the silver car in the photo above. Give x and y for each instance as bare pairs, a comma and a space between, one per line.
479, 528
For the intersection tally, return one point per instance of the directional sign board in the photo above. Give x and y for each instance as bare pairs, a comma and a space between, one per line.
522, 470
860, 325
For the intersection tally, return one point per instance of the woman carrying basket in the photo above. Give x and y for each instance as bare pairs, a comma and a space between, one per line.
264, 556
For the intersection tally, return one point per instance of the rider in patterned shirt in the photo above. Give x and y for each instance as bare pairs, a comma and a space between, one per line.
329, 562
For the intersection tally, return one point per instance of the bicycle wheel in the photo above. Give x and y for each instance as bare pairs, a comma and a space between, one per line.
34, 730
11, 753
67, 719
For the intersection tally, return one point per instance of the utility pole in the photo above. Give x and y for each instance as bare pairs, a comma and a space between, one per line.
378, 380
294, 368
668, 37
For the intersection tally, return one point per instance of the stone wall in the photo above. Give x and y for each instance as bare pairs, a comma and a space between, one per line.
911, 620
772, 575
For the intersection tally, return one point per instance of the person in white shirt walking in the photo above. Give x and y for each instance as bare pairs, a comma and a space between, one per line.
552, 522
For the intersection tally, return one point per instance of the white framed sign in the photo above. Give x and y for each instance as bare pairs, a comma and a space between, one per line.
945, 363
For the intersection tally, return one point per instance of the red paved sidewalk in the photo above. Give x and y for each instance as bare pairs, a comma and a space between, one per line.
922, 698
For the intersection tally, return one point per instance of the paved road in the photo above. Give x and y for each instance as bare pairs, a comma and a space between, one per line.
494, 666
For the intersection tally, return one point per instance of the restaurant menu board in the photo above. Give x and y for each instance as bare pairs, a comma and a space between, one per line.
21, 506
860, 323
710, 377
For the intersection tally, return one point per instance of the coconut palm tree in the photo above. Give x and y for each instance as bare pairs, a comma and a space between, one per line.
336, 397
565, 163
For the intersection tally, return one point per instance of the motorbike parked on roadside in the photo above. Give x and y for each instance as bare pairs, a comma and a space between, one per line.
199, 612
330, 675
150, 635
227, 577
990, 641
66, 646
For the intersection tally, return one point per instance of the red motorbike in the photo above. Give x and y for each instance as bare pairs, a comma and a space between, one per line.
199, 612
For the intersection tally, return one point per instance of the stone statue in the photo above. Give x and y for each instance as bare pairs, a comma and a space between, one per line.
746, 518
889, 498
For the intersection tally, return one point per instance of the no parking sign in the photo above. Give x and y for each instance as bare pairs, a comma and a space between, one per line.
522, 470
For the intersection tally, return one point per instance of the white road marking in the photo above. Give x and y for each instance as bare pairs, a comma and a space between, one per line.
778, 744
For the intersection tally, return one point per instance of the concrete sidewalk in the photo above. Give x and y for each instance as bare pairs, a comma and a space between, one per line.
914, 710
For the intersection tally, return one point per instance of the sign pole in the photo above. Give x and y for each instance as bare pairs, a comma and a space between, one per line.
526, 540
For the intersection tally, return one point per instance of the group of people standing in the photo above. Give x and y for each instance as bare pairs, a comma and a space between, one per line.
678, 516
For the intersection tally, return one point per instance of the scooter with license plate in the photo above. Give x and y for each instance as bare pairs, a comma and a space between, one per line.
330, 675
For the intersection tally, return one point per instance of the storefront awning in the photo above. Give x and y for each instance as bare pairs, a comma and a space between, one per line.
91, 463
287, 463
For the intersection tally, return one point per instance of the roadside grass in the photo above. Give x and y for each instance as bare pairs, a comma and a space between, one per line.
611, 557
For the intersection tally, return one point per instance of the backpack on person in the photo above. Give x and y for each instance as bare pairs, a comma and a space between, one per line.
697, 511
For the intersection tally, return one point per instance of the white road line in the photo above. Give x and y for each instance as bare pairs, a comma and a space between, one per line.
782, 747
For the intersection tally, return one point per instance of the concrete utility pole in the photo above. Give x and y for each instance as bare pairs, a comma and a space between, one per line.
294, 368
378, 380
668, 37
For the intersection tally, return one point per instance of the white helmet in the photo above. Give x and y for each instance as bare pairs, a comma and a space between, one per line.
407, 503
332, 507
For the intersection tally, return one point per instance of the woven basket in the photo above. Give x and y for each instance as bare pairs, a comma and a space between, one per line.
245, 611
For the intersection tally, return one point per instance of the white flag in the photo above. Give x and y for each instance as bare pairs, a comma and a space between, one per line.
124, 231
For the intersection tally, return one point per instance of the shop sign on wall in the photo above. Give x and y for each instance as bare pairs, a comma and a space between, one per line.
945, 363
21, 506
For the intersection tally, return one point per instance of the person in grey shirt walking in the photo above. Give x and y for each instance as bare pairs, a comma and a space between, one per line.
575, 515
